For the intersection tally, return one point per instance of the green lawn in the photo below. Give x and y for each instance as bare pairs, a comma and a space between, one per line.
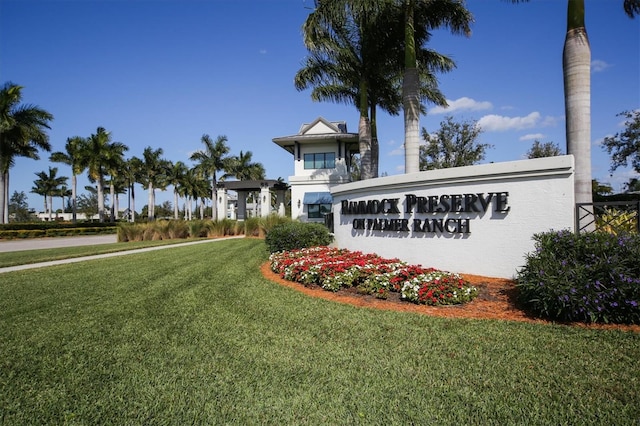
196, 335
24, 257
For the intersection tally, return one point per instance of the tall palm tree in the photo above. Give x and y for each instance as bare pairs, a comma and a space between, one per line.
22, 134
115, 167
153, 174
429, 15
211, 160
48, 185
356, 56
72, 157
576, 69
62, 193
176, 177
97, 154
131, 174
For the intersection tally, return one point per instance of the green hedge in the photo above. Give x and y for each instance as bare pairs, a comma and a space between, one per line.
297, 235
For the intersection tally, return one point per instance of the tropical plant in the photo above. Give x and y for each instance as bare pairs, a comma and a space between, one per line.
429, 15
131, 174
115, 167
48, 185
453, 145
98, 154
153, 173
63, 192
242, 168
576, 68
22, 134
588, 277
355, 57
175, 177
211, 160
71, 156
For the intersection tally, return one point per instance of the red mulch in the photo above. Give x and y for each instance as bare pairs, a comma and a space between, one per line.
496, 300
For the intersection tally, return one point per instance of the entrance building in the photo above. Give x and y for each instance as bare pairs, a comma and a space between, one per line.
322, 151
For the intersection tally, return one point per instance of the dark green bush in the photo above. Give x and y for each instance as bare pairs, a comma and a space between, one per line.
592, 277
297, 235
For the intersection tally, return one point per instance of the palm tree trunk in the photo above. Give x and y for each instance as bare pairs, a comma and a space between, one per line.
214, 210
74, 183
112, 192
375, 147
100, 199
175, 205
410, 96
576, 63
150, 206
364, 134
4, 197
132, 213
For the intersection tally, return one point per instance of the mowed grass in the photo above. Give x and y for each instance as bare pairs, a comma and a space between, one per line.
196, 335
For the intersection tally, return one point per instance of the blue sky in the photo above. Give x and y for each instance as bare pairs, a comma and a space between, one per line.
162, 73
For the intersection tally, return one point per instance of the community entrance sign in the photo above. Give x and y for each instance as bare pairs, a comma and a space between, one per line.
477, 219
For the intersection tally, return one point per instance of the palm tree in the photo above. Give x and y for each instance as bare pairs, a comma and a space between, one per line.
242, 168
153, 174
576, 68
211, 160
429, 15
64, 192
97, 154
357, 57
48, 185
22, 133
71, 157
115, 166
131, 173
175, 177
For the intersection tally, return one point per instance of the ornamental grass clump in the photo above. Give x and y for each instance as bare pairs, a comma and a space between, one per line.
592, 277
335, 269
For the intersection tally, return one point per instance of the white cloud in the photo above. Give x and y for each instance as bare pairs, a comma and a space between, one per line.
263, 51
598, 66
500, 123
396, 152
532, 137
462, 104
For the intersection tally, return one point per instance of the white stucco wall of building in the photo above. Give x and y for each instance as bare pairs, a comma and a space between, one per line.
534, 196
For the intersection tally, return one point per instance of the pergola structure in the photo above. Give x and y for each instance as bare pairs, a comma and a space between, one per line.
243, 187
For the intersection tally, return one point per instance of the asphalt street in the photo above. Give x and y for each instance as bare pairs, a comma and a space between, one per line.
41, 243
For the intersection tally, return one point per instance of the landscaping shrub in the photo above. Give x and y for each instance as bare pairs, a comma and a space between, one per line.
616, 221
296, 235
592, 277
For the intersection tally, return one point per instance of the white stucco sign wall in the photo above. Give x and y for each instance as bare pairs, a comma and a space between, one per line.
474, 220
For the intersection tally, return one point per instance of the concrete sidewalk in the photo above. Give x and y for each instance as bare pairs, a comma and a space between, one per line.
98, 256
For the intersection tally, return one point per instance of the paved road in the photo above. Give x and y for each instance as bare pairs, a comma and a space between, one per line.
79, 241
55, 242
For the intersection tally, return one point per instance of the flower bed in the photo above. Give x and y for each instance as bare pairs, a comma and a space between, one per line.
335, 269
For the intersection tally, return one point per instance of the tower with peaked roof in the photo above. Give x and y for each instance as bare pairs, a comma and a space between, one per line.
322, 152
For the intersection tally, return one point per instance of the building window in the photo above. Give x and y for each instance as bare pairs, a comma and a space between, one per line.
317, 211
320, 160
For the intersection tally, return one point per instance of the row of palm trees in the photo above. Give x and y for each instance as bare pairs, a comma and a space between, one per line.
104, 161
